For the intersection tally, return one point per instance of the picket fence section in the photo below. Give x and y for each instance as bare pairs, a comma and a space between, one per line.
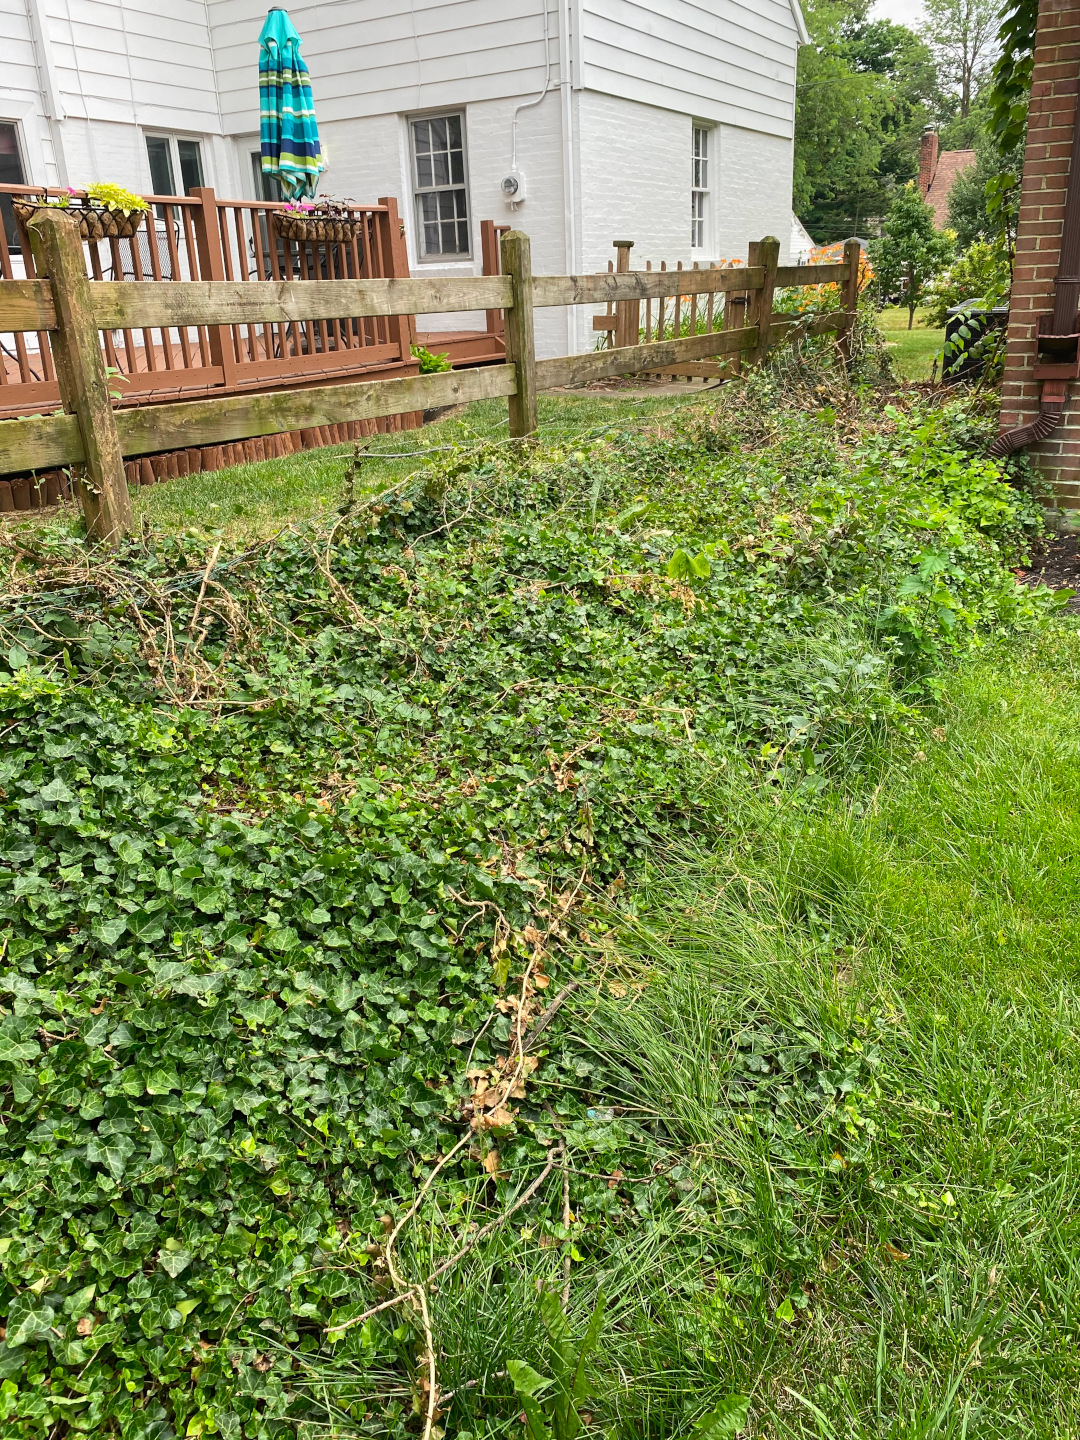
94, 437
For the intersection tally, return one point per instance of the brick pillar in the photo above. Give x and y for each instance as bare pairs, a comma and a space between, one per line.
928, 152
1038, 244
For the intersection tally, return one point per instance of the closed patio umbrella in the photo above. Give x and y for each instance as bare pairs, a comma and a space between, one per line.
289, 136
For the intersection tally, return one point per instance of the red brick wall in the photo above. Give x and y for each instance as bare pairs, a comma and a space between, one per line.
1042, 206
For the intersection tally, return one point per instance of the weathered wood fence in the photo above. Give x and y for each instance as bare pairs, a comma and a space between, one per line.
94, 437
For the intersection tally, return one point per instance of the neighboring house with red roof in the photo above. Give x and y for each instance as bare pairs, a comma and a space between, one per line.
938, 173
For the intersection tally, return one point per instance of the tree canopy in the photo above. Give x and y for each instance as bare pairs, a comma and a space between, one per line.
868, 88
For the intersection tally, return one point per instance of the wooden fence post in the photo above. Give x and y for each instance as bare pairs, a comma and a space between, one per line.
520, 334
853, 260
80, 369
212, 267
627, 316
767, 254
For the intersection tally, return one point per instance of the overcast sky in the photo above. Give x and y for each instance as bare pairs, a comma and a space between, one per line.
906, 12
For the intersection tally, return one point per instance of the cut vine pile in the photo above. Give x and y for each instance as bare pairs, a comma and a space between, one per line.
300, 845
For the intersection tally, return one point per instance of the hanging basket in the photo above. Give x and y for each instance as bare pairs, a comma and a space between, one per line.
95, 223
310, 225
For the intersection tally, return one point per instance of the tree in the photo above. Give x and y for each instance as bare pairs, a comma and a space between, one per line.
904, 61
910, 252
839, 111
962, 35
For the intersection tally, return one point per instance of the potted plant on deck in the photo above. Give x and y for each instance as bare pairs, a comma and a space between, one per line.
332, 220
104, 212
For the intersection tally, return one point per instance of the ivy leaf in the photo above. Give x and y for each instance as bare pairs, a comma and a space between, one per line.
174, 1262
14, 1050
109, 931
56, 792
29, 1320
113, 1153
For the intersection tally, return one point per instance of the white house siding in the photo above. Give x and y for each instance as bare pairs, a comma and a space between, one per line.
119, 68
21, 93
753, 198
719, 60
382, 57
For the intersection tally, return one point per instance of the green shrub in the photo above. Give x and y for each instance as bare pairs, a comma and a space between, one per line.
431, 364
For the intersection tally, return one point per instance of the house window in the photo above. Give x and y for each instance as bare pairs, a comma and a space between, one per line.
699, 191
442, 207
267, 187
11, 173
170, 157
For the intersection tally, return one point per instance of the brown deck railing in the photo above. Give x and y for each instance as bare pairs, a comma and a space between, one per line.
200, 237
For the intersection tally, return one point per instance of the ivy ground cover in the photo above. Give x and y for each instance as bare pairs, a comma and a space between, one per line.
293, 838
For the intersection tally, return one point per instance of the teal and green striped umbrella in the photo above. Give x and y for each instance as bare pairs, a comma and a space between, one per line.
288, 135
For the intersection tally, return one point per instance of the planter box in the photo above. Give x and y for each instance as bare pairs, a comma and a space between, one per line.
310, 225
94, 223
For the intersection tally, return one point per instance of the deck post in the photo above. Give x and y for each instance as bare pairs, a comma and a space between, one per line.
212, 267
520, 334
489, 251
80, 368
853, 260
402, 327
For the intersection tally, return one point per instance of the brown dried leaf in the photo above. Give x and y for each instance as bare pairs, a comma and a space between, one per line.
490, 1161
85, 1325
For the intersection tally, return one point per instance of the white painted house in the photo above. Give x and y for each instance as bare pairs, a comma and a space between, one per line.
666, 122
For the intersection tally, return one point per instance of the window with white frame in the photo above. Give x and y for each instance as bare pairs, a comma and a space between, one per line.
699, 190
442, 203
170, 156
11, 173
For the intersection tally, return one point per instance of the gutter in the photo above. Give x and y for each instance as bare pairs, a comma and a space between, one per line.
1057, 359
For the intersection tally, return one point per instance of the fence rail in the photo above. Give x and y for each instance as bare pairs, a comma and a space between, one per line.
72, 312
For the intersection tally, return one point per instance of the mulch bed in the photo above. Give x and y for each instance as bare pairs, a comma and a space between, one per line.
1056, 563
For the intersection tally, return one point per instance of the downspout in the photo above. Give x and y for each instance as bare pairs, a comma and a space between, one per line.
1058, 338
47, 85
569, 214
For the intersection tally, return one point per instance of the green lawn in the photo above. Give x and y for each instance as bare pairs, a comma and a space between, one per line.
913, 351
251, 501
901, 1263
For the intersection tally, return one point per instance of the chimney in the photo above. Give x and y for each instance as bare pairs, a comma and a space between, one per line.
928, 158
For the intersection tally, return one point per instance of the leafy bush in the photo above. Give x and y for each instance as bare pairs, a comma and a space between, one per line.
277, 835
982, 274
431, 364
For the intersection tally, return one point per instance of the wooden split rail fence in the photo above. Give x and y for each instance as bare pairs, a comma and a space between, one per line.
93, 438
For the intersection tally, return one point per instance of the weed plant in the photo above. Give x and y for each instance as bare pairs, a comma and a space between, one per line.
291, 835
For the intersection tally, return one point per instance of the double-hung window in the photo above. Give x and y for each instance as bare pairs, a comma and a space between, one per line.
699, 191
442, 204
170, 156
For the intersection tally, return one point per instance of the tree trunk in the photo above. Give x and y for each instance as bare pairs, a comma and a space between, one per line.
910, 314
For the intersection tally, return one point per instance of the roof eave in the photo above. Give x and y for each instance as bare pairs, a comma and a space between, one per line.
800, 23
